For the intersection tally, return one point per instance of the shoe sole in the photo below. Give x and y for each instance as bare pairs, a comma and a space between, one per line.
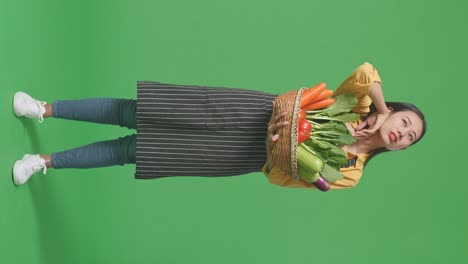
16, 102
15, 172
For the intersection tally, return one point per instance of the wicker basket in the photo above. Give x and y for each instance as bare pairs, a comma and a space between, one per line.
284, 151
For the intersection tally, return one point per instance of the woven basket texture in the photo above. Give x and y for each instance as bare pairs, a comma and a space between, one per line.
284, 151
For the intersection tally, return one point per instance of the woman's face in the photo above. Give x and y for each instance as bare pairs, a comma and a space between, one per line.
401, 129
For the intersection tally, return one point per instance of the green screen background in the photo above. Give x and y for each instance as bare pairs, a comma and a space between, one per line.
410, 206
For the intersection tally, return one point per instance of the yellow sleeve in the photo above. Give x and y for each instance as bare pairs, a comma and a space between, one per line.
351, 175
351, 178
278, 177
359, 83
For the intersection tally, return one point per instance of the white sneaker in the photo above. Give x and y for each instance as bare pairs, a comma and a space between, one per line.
25, 105
25, 168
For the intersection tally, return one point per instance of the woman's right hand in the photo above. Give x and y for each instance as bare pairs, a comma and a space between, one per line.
369, 126
273, 126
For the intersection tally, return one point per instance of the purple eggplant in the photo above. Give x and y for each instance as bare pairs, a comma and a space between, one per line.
321, 184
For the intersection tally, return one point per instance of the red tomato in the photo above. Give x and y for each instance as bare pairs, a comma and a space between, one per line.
303, 136
304, 131
304, 125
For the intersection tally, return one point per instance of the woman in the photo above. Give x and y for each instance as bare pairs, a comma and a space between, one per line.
382, 127
186, 130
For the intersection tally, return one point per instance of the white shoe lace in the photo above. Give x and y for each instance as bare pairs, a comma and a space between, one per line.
41, 105
44, 171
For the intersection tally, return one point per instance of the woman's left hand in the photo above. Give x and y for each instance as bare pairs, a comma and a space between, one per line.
373, 123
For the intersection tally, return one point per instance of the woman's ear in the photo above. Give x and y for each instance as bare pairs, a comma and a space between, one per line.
390, 109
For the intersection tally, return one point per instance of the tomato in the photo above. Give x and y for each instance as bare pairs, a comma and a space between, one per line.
303, 135
304, 131
304, 125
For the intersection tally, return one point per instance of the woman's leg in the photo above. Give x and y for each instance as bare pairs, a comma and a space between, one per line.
97, 110
100, 154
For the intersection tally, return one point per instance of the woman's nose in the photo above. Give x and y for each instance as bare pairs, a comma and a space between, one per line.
403, 132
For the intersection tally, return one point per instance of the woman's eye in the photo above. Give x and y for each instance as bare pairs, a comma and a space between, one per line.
404, 122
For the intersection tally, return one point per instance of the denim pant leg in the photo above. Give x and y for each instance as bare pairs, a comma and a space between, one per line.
104, 153
120, 151
113, 111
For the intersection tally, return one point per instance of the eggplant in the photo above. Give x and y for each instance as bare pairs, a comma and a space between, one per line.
321, 184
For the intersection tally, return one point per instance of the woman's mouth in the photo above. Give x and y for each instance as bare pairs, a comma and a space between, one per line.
393, 137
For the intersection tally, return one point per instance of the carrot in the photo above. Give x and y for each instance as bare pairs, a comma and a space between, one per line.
309, 95
320, 104
324, 94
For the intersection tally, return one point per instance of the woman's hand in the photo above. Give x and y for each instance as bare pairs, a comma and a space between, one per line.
371, 125
375, 121
272, 136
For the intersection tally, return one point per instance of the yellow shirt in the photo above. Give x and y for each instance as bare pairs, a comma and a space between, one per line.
359, 83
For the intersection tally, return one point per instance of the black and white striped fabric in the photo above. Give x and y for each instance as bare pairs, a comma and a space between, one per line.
189, 130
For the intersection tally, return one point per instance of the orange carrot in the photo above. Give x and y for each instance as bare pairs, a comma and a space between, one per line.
320, 104
324, 94
309, 95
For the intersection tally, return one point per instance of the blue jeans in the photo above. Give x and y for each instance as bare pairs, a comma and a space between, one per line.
104, 153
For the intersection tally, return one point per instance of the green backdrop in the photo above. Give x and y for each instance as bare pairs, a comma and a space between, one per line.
410, 206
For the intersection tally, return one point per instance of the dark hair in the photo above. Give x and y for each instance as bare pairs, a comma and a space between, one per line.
397, 107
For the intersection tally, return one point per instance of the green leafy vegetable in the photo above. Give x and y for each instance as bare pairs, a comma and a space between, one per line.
330, 174
329, 132
343, 104
347, 117
343, 139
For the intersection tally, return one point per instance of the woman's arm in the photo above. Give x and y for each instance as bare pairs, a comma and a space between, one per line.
376, 95
359, 83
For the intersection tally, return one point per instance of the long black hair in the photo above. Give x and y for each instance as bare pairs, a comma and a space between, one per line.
397, 107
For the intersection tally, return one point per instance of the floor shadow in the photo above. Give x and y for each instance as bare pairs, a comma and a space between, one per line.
51, 228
